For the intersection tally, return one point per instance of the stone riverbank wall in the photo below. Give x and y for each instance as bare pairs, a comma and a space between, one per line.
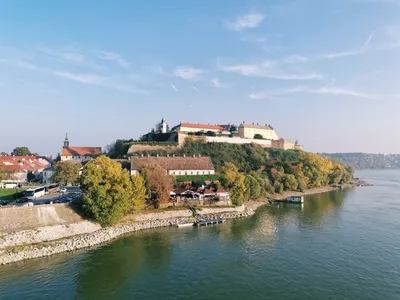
11, 252
29, 217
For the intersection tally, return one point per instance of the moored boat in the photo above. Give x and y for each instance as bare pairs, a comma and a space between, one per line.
295, 199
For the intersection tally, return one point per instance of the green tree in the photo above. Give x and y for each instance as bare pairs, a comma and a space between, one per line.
66, 172
211, 133
158, 184
290, 182
30, 176
119, 148
107, 190
234, 182
253, 188
279, 188
268, 188
3, 154
139, 193
258, 136
21, 151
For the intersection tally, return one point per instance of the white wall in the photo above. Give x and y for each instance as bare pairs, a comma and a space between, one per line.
191, 172
236, 140
183, 172
76, 158
47, 174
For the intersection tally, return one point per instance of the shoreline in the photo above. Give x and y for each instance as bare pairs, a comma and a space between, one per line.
136, 222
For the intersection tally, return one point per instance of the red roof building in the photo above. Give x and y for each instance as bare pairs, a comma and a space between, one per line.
80, 154
190, 127
17, 167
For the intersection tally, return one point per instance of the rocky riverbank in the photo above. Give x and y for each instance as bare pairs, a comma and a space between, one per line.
24, 251
30, 244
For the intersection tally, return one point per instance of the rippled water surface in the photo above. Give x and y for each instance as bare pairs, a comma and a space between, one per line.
339, 245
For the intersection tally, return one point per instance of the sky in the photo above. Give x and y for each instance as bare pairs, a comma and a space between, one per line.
323, 72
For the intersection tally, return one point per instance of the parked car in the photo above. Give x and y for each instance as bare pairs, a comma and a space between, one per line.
3, 202
63, 190
23, 200
28, 204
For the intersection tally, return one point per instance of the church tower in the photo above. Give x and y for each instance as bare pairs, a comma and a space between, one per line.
164, 126
66, 142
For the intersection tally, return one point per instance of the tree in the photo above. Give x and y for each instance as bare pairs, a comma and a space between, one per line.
290, 183
119, 148
211, 133
30, 176
139, 193
258, 136
234, 182
66, 172
107, 190
158, 184
3, 154
233, 129
253, 188
2, 174
21, 151
58, 158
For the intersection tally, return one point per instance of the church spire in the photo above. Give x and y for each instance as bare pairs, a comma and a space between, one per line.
66, 142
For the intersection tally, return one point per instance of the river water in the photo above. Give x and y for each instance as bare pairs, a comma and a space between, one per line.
339, 245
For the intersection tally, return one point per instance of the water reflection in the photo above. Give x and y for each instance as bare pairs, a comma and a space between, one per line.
313, 213
105, 271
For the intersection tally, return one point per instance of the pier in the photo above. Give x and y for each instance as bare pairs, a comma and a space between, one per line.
209, 222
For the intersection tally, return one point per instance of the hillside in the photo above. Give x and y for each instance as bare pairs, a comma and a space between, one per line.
271, 170
366, 160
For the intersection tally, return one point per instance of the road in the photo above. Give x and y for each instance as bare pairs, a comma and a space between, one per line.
46, 199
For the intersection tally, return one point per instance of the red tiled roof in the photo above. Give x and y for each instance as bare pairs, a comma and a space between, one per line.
208, 191
220, 190
80, 151
13, 164
201, 126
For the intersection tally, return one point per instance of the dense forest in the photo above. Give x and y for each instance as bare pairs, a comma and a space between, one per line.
366, 160
266, 171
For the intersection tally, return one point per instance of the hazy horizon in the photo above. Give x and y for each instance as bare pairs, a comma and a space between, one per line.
322, 73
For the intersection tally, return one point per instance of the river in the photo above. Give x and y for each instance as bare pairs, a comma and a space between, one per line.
338, 245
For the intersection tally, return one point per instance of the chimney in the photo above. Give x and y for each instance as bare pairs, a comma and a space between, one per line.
173, 155
253, 123
199, 155
157, 155
184, 155
148, 155
141, 155
167, 155
257, 123
194, 155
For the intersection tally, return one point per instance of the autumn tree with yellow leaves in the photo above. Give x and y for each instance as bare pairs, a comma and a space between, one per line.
109, 192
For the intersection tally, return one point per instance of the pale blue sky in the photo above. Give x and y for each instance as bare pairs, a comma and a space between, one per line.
324, 72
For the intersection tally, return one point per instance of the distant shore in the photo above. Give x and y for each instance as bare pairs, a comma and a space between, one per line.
19, 246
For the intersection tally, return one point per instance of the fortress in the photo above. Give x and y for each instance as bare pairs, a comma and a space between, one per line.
161, 137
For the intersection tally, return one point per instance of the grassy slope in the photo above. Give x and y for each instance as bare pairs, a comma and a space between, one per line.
8, 194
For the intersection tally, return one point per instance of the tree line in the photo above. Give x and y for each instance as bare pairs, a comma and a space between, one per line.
264, 171
367, 160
